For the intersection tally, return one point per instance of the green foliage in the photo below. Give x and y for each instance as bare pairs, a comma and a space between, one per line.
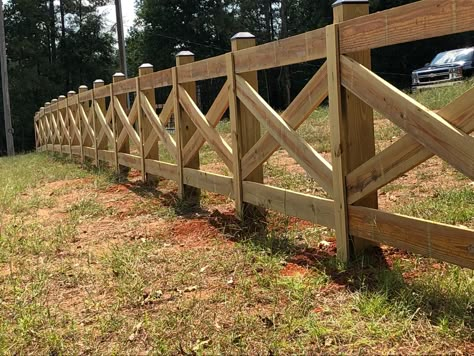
53, 47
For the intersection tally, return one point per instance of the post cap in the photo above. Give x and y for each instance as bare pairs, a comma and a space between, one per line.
83, 87
145, 65
349, 2
71, 92
118, 75
99, 81
42, 108
54, 100
61, 97
184, 54
242, 35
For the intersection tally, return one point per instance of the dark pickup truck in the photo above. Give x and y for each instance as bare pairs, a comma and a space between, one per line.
446, 68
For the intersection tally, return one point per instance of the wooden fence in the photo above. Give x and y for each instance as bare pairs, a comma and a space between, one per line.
97, 124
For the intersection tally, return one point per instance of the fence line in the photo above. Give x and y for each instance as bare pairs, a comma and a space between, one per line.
98, 125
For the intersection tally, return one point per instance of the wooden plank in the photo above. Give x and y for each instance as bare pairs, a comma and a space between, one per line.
107, 156
108, 119
121, 144
158, 79
313, 163
202, 70
164, 118
162, 169
430, 129
444, 242
103, 122
89, 152
102, 92
296, 49
76, 150
155, 121
406, 153
85, 96
126, 124
211, 182
205, 127
309, 98
317, 210
338, 126
420, 20
186, 128
214, 115
86, 122
124, 86
122, 141
129, 160
179, 144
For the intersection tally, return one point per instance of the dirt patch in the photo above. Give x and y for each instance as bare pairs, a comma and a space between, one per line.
292, 270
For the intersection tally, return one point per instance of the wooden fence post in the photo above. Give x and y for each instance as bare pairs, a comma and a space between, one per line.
69, 109
84, 141
62, 130
147, 129
352, 128
185, 129
54, 119
118, 126
103, 144
245, 128
42, 127
47, 125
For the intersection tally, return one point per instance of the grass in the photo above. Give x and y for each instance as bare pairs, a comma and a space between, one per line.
91, 265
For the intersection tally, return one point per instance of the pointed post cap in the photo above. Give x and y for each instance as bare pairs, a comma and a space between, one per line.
118, 75
98, 81
82, 87
42, 108
349, 2
145, 65
185, 54
54, 100
71, 93
242, 35
61, 97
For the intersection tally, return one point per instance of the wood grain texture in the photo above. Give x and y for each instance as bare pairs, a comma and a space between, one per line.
214, 115
157, 125
129, 160
158, 79
211, 182
420, 20
430, 129
339, 131
309, 98
126, 123
406, 153
164, 118
317, 210
162, 169
444, 242
202, 70
312, 162
205, 127
296, 49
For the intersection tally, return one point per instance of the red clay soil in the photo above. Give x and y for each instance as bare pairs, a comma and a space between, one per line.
292, 270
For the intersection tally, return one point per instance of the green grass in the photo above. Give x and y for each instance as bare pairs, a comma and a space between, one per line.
95, 278
454, 206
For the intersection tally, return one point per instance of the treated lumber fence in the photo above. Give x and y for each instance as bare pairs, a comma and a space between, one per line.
97, 125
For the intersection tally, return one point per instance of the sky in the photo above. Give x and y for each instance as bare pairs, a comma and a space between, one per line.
128, 12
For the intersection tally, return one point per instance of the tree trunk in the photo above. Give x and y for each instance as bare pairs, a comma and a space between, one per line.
52, 29
285, 81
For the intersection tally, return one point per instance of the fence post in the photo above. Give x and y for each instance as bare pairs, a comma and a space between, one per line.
82, 89
244, 126
41, 125
54, 119
69, 110
352, 128
185, 129
147, 129
103, 144
46, 122
118, 125
62, 130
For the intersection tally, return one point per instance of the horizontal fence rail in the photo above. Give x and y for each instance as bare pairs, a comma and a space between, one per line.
99, 125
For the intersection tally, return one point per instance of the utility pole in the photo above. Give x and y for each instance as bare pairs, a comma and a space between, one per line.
120, 37
6, 94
